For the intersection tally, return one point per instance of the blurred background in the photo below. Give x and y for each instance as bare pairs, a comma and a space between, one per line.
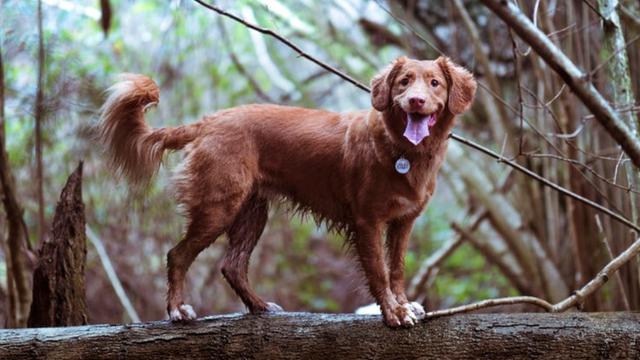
488, 231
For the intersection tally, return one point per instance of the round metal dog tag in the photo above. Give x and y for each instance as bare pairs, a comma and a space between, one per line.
402, 165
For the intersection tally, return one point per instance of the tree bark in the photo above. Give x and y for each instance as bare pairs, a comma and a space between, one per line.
320, 336
58, 281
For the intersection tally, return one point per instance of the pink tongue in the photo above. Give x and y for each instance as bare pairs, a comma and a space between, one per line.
418, 127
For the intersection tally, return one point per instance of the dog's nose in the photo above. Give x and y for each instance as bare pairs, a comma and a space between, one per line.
416, 102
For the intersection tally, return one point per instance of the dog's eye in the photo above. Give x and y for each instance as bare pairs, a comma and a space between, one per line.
435, 83
404, 82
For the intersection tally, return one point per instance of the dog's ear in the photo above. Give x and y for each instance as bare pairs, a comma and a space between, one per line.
462, 85
382, 83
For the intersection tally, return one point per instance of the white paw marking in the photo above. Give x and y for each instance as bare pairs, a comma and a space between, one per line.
184, 313
273, 307
409, 320
191, 315
411, 314
417, 308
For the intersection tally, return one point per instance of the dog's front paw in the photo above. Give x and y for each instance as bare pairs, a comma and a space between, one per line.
417, 309
273, 307
401, 315
265, 308
183, 313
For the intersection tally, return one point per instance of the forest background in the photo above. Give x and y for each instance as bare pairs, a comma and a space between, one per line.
488, 232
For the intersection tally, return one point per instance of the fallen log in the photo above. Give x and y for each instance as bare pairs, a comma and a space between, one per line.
320, 336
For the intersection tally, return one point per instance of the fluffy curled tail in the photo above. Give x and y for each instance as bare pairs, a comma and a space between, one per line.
134, 148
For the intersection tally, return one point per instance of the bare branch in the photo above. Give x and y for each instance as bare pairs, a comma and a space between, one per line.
426, 268
111, 274
585, 167
491, 303
546, 182
286, 42
613, 55
595, 10
603, 276
570, 73
605, 242
574, 300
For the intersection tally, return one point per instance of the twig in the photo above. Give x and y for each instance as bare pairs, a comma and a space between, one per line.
602, 277
491, 256
286, 42
557, 95
240, 67
576, 299
491, 303
615, 173
546, 182
404, 24
424, 273
595, 10
586, 167
516, 67
111, 273
595, 70
605, 242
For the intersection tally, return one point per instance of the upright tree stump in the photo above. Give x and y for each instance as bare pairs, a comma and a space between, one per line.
58, 282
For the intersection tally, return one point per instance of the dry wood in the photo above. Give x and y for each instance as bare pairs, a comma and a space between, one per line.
58, 281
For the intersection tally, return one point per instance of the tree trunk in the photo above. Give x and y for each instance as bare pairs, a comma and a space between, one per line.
58, 281
624, 99
18, 294
319, 336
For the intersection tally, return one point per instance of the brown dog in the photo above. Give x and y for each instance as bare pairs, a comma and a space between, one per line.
361, 172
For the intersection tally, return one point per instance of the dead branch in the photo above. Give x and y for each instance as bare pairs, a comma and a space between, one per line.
603, 276
286, 42
605, 242
111, 274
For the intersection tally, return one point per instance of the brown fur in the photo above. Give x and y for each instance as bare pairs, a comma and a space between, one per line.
337, 166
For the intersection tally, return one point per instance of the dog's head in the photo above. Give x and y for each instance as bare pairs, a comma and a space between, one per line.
423, 92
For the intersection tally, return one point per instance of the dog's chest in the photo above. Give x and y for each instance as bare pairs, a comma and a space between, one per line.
410, 192
400, 206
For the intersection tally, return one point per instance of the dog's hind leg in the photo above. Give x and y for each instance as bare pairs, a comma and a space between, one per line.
243, 237
204, 227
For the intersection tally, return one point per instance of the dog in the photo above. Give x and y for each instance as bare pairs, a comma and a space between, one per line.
363, 173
